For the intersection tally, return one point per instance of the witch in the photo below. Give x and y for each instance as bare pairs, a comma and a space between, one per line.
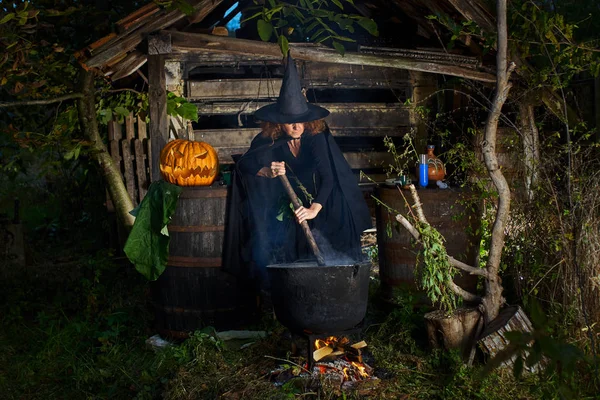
262, 227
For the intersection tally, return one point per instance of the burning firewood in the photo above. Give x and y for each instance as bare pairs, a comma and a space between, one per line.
322, 352
359, 345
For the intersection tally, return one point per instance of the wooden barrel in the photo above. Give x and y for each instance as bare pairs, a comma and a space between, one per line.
445, 210
194, 292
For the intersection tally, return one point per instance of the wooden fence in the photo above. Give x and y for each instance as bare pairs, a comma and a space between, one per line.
129, 147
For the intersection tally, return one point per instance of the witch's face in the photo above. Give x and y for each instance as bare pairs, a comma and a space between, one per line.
294, 130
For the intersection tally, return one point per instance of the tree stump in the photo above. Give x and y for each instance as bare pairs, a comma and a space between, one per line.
455, 331
493, 339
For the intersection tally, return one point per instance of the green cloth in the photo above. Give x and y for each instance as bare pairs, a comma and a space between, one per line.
147, 246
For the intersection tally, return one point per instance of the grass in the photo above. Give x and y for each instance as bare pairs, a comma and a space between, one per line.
75, 327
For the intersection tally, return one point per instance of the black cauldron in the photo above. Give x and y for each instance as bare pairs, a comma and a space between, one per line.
319, 299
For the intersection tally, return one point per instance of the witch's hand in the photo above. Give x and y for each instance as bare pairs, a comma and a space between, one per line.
304, 214
277, 169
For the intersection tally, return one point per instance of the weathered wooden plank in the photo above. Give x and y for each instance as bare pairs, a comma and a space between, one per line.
357, 160
115, 153
243, 136
352, 76
249, 107
494, 338
130, 39
157, 109
368, 116
226, 137
207, 58
234, 89
129, 127
127, 66
140, 168
371, 159
190, 42
141, 125
128, 173
114, 131
133, 20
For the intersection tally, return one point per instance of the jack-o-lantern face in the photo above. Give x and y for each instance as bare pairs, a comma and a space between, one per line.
188, 163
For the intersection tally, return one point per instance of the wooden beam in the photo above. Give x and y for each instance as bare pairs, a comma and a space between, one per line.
249, 107
157, 109
190, 42
159, 44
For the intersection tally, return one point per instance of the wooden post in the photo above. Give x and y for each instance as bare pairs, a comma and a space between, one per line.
424, 86
157, 99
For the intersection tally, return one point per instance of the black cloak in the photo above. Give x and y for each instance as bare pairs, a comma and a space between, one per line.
255, 237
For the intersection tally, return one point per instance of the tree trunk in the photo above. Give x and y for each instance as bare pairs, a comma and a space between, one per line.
493, 299
111, 173
455, 331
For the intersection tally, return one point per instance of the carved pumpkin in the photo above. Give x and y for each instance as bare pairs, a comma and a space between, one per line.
189, 163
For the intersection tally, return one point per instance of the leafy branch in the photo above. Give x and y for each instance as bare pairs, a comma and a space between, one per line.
316, 21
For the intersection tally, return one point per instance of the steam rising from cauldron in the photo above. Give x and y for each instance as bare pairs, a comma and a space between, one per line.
330, 255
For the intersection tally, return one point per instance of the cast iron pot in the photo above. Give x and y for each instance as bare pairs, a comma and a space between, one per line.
319, 299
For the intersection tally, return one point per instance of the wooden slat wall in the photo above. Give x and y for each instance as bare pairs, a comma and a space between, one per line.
360, 126
129, 147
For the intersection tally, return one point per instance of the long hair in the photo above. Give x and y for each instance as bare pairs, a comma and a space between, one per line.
275, 131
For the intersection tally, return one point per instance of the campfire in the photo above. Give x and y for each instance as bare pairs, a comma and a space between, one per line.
338, 355
335, 358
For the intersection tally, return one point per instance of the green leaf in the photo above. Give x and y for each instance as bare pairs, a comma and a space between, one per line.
344, 39
265, 29
188, 111
7, 18
147, 247
338, 3
339, 47
184, 7
284, 45
121, 111
311, 26
369, 25
317, 34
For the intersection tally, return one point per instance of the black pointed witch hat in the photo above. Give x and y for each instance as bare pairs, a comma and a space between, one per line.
291, 106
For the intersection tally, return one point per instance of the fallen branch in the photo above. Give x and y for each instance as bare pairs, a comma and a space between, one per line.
453, 261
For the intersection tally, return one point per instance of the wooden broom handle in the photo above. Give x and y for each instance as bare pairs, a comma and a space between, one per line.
296, 203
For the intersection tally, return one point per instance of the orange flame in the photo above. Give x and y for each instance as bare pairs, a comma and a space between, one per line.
361, 369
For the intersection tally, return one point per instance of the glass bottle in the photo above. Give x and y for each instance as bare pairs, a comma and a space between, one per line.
437, 171
423, 170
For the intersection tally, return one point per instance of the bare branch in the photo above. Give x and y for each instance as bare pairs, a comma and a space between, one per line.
464, 294
71, 96
418, 206
453, 261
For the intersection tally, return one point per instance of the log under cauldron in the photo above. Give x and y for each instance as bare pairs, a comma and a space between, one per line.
319, 299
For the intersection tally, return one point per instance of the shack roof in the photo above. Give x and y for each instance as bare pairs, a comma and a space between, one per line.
123, 52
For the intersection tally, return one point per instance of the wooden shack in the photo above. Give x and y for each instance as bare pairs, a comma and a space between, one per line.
371, 91
229, 77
